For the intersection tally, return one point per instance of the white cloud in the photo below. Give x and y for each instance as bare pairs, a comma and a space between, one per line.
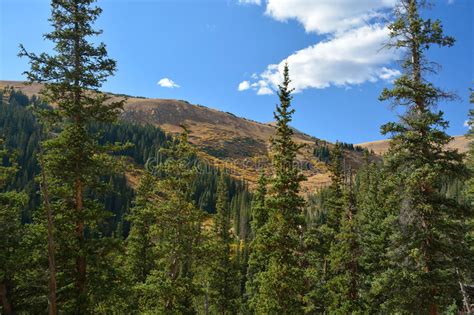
389, 74
264, 90
261, 87
352, 52
167, 83
354, 57
467, 124
328, 16
244, 85
256, 2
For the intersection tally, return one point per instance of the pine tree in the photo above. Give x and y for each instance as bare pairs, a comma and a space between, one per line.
259, 217
139, 260
320, 236
259, 214
173, 235
428, 241
224, 274
72, 78
279, 241
335, 203
376, 203
343, 285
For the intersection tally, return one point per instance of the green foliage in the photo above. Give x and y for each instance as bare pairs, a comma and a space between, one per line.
114, 195
259, 211
224, 272
428, 241
322, 153
11, 230
74, 161
376, 202
166, 227
18, 129
335, 202
388, 240
257, 259
326, 244
343, 285
351, 147
277, 243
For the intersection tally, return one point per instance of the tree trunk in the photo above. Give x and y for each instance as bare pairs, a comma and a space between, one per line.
7, 306
433, 309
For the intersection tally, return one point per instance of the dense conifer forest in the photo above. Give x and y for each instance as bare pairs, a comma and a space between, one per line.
103, 216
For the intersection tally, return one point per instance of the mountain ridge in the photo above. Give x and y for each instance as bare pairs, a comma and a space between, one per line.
225, 140
380, 147
237, 144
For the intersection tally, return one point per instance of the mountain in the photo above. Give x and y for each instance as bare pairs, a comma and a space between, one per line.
225, 140
461, 143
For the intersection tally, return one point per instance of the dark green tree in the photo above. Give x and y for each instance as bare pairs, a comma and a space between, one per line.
139, 260
74, 159
281, 284
320, 235
171, 226
335, 202
259, 216
344, 282
224, 273
11, 230
428, 242
376, 204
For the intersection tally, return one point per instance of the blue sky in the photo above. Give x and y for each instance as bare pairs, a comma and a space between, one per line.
210, 48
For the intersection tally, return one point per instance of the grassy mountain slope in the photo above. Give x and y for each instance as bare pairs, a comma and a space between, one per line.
225, 140
237, 144
461, 143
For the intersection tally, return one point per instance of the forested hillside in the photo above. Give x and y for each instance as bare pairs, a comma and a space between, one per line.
20, 132
103, 212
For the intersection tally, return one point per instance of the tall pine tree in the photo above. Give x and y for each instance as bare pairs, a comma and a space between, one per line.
281, 285
73, 158
428, 241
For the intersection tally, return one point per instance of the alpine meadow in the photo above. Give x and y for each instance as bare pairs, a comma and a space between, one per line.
113, 203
